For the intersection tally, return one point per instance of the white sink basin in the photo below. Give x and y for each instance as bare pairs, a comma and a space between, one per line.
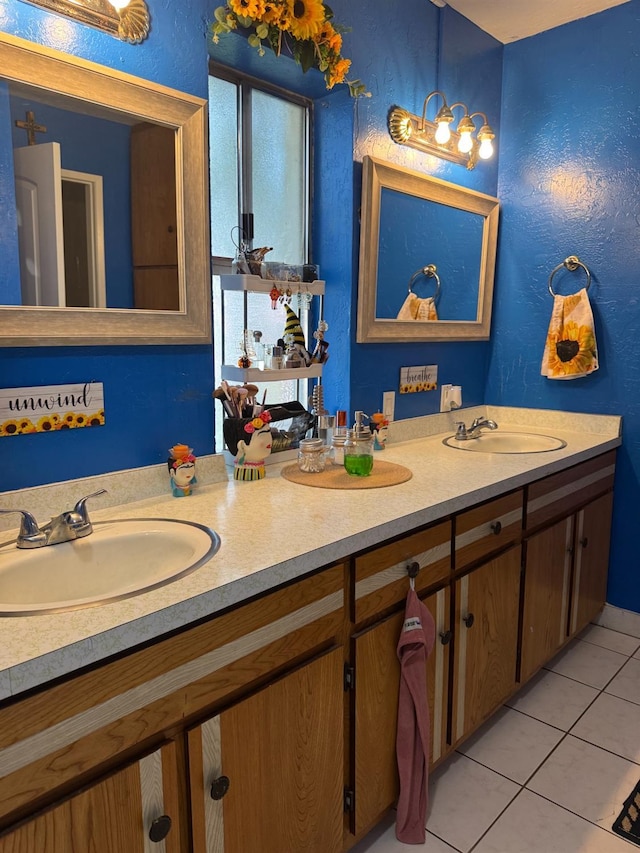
118, 560
507, 442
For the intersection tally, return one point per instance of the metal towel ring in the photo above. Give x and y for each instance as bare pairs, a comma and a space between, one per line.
571, 263
430, 272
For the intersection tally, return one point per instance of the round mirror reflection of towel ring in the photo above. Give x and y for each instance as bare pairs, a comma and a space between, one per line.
571, 263
430, 271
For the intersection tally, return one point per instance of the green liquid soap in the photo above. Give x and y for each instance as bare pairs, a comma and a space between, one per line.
359, 466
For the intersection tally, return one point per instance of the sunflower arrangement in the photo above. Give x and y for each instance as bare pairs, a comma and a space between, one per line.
304, 28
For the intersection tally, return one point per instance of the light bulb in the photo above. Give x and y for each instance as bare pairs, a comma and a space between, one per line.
486, 149
119, 4
442, 134
465, 143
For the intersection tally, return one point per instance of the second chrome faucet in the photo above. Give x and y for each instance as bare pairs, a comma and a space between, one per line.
464, 434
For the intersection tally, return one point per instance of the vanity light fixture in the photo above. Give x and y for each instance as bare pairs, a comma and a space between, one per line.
437, 136
127, 20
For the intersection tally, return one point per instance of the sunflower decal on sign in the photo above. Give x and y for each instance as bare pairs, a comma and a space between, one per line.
570, 350
302, 28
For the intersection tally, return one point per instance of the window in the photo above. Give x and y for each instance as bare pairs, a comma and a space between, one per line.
260, 192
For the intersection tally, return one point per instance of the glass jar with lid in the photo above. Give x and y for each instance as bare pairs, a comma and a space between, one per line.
312, 455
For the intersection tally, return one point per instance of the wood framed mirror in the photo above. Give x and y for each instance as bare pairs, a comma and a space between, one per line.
166, 240
429, 244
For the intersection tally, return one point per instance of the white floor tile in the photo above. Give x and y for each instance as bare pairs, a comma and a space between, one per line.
465, 799
512, 744
383, 840
609, 639
586, 780
587, 663
637, 655
626, 684
613, 724
553, 699
532, 824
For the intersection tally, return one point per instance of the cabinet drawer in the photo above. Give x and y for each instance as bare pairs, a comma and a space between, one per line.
562, 493
381, 575
486, 528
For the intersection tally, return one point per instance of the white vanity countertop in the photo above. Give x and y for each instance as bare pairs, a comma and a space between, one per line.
273, 531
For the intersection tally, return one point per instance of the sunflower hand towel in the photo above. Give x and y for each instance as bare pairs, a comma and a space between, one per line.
570, 350
417, 308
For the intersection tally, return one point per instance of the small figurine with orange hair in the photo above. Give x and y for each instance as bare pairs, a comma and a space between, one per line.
380, 427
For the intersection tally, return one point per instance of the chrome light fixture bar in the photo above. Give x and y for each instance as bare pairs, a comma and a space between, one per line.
437, 136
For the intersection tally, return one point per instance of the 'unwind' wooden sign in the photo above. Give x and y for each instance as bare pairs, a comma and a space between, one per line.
49, 408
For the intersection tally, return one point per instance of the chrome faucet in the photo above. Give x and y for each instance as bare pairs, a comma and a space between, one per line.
73, 524
464, 434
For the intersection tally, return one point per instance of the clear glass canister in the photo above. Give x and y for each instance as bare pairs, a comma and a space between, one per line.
358, 452
336, 454
312, 455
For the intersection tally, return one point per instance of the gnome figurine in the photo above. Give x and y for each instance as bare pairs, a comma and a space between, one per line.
294, 337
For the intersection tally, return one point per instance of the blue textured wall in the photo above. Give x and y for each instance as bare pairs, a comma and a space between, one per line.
422, 49
154, 396
570, 184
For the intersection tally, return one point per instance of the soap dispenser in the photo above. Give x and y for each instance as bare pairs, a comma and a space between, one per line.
358, 448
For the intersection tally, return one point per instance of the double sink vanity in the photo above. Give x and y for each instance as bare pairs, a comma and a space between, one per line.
250, 703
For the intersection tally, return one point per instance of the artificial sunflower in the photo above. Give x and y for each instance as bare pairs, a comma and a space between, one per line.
247, 8
329, 37
572, 349
306, 18
302, 29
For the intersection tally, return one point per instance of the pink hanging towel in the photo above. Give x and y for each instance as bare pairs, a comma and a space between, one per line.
413, 735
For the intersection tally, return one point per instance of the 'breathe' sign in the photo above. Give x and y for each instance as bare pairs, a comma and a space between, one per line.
48, 408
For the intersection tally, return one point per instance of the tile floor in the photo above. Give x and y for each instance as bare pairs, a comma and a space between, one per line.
550, 771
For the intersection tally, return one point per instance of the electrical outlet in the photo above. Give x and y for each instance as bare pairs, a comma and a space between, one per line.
389, 404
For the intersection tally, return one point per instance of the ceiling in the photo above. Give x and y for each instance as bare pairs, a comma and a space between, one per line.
511, 20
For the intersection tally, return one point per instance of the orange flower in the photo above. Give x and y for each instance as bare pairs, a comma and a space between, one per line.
338, 72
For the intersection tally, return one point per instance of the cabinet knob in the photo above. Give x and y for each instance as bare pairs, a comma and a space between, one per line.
445, 637
219, 787
584, 542
413, 569
496, 527
159, 828
469, 620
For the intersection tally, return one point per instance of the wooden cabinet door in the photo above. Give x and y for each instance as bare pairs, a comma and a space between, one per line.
267, 774
485, 638
377, 681
116, 814
546, 595
593, 535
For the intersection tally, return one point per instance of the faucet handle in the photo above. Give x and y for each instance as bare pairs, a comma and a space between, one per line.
461, 429
28, 525
29, 529
80, 509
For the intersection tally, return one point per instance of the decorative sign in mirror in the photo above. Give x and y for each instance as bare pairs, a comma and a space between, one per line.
103, 192
427, 258
127, 20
